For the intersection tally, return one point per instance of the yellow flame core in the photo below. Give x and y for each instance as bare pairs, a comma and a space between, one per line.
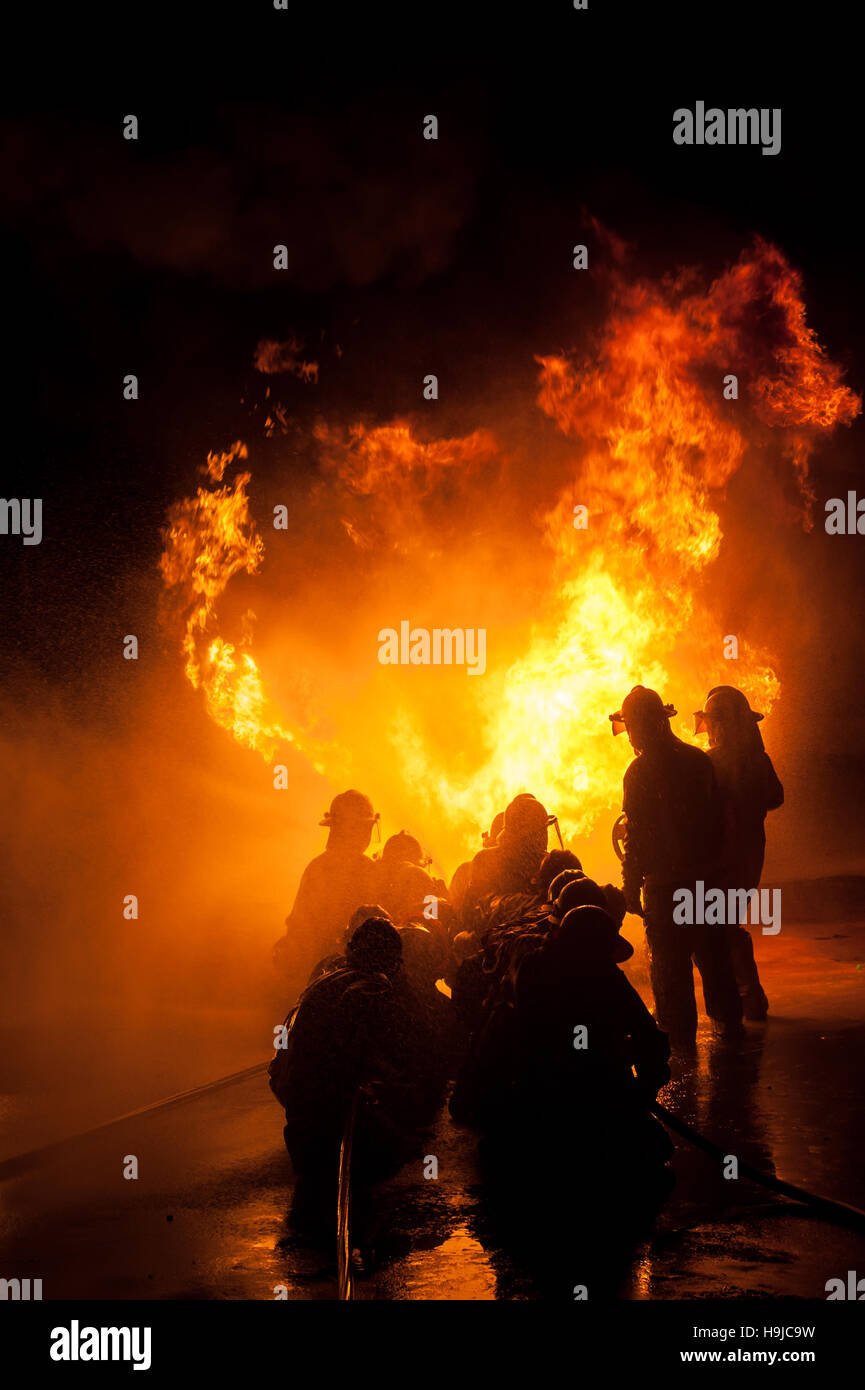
655, 443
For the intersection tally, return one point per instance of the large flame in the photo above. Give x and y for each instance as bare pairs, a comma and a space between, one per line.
654, 444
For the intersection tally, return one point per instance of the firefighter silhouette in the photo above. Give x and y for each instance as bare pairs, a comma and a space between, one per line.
674, 836
332, 886
749, 789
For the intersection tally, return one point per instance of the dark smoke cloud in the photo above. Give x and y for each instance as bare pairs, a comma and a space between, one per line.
353, 200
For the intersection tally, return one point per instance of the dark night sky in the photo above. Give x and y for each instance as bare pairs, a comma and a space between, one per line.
259, 127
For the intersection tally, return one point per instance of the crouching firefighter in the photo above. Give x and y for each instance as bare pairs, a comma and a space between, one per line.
674, 831
592, 1058
343, 1037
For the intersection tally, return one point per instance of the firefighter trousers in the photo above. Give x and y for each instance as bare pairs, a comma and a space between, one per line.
674, 949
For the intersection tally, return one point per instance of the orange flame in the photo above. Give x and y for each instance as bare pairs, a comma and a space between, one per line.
210, 538
656, 443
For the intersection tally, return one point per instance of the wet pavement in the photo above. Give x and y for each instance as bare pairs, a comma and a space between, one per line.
209, 1215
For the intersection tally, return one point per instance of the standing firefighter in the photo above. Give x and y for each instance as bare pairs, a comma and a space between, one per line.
673, 811
402, 882
749, 790
332, 886
461, 881
511, 863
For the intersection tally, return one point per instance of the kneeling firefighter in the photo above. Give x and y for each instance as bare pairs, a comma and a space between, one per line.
343, 1035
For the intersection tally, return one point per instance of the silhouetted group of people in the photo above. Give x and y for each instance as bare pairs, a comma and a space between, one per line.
508, 983
694, 817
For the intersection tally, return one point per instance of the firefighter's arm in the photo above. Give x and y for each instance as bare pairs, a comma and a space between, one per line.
650, 1049
633, 872
285, 947
774, 789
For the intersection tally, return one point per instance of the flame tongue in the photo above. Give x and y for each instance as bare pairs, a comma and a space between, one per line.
210, 538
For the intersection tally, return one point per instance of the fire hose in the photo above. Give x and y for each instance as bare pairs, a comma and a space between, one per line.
841, 1212
345, 1276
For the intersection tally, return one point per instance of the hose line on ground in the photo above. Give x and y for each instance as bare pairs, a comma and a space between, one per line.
345, 1276
841, 1212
